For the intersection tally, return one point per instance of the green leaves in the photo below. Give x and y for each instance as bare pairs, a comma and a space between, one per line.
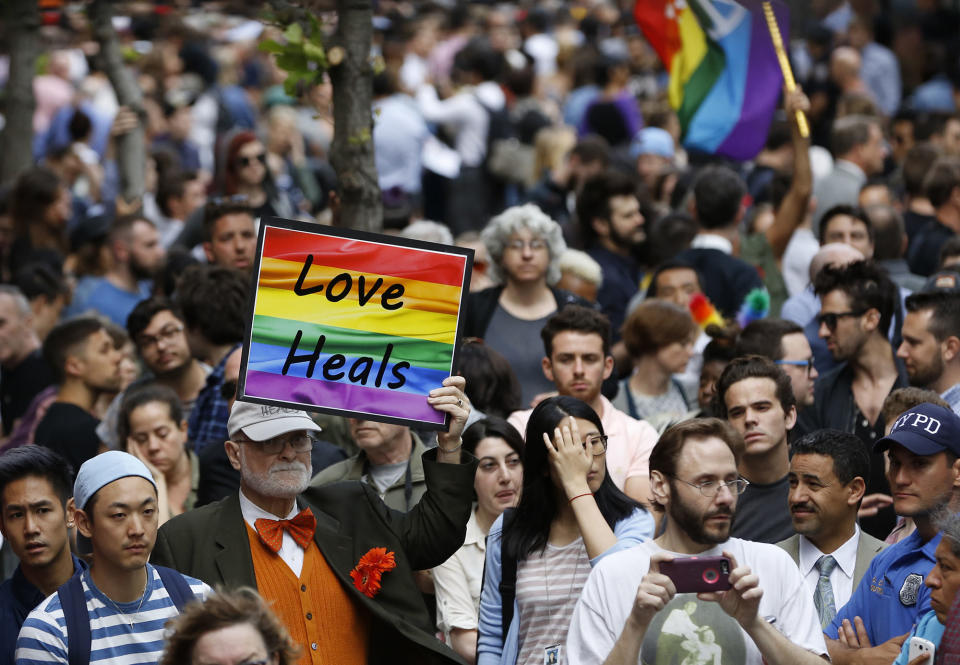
302, 56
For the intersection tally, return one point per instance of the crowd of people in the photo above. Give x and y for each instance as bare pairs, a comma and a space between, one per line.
665, 356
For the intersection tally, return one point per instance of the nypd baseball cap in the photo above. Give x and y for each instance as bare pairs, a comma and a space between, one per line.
926, 429
262, 421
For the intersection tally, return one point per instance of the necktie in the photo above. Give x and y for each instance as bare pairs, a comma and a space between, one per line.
823, 596
300, 528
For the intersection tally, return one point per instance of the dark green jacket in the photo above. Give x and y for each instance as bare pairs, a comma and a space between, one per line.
211, 544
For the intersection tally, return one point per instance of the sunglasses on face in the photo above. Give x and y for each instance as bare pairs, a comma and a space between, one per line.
830, 319
247, 161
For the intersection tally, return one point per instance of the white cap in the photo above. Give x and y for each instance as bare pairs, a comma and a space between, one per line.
261, 422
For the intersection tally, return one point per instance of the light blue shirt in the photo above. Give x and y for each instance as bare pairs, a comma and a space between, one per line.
929, 628
952, 397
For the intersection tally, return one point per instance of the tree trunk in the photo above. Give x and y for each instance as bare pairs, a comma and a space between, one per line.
22, 18
131, 148
351, 153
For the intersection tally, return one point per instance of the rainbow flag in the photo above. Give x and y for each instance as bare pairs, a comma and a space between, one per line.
725, 80
345, 324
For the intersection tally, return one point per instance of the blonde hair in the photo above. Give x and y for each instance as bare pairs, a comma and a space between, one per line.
582, 265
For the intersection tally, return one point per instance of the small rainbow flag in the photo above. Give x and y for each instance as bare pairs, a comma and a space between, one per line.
349, 321
725, 80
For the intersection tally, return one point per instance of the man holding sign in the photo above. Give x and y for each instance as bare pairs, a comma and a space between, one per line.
336, 563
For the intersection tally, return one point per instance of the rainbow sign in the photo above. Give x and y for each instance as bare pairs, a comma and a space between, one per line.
353, 323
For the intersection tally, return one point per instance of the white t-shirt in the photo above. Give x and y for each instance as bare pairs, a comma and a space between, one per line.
608, 596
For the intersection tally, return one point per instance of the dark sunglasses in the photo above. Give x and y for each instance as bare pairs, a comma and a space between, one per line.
247, 161
830, 318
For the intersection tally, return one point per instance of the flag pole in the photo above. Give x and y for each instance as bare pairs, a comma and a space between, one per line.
788, 79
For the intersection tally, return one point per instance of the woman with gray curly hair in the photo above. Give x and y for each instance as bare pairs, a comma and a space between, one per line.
524, 246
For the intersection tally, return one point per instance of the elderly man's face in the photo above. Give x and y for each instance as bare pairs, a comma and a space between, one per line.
273, 474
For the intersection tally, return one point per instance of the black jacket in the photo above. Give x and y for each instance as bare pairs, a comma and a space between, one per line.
482, 304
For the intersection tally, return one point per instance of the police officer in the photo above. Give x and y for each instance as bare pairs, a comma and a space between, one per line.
924, 476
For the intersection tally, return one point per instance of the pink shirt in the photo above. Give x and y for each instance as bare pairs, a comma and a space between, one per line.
629, 443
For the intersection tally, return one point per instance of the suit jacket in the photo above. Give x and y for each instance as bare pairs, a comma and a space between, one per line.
867, 548
211, 544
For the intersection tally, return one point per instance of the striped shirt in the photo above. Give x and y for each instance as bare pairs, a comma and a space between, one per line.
548, 586
43, 638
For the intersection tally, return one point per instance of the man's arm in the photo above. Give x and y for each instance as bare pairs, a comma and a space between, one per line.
793, 209
776, 648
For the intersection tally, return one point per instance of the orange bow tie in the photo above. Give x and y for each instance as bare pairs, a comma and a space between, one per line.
300, 528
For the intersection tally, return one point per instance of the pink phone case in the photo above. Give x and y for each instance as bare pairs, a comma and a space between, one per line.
695, 574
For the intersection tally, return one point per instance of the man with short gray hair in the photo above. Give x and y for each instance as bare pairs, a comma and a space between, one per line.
23, 371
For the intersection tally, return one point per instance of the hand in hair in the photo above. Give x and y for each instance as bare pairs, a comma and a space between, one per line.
569, 458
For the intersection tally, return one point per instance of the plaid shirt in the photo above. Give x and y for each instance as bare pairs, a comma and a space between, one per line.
208, 420
948, 652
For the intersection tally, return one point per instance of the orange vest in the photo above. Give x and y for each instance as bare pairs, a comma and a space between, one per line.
319, 613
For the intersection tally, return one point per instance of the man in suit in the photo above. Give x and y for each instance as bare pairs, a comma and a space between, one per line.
337, 564
827, 476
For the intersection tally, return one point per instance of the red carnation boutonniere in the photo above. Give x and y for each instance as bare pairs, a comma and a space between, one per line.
366, 576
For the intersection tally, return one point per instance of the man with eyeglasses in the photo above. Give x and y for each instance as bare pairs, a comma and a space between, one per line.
857, 304
784, 343
157, 329
623, 612
334, 561
756, 398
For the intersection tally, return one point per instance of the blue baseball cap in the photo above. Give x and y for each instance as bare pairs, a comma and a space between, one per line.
926, 429
652, 141
102, 470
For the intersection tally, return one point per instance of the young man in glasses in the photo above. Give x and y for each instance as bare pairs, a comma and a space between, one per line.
857, 304
157, 328
630, 610
756, 398
334, 561
784, 343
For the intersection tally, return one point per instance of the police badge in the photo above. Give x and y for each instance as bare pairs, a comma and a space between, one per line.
910, 588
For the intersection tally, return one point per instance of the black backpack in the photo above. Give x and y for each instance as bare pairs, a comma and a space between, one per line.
75, 614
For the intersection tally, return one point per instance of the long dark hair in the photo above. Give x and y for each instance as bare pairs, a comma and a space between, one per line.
491, 426
528, 528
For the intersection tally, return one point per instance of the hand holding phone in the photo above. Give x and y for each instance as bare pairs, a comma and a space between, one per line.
697, 574
921, 647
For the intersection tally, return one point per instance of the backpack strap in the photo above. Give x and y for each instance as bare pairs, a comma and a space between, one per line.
177, 587
75, 614
508, 581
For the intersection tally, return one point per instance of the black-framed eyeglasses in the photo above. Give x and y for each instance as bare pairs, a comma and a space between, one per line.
301, 442
830, 319
247, 161
806, 364
711, 488
165, 335
596, 444
233, 199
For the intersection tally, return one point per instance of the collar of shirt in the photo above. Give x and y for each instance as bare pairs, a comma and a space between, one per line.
911, 546
474, 535
252, 512
712, 241
851, 168
846, 554
952, 397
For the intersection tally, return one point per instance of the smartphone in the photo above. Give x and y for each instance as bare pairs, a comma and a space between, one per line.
921, 647
695, 574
